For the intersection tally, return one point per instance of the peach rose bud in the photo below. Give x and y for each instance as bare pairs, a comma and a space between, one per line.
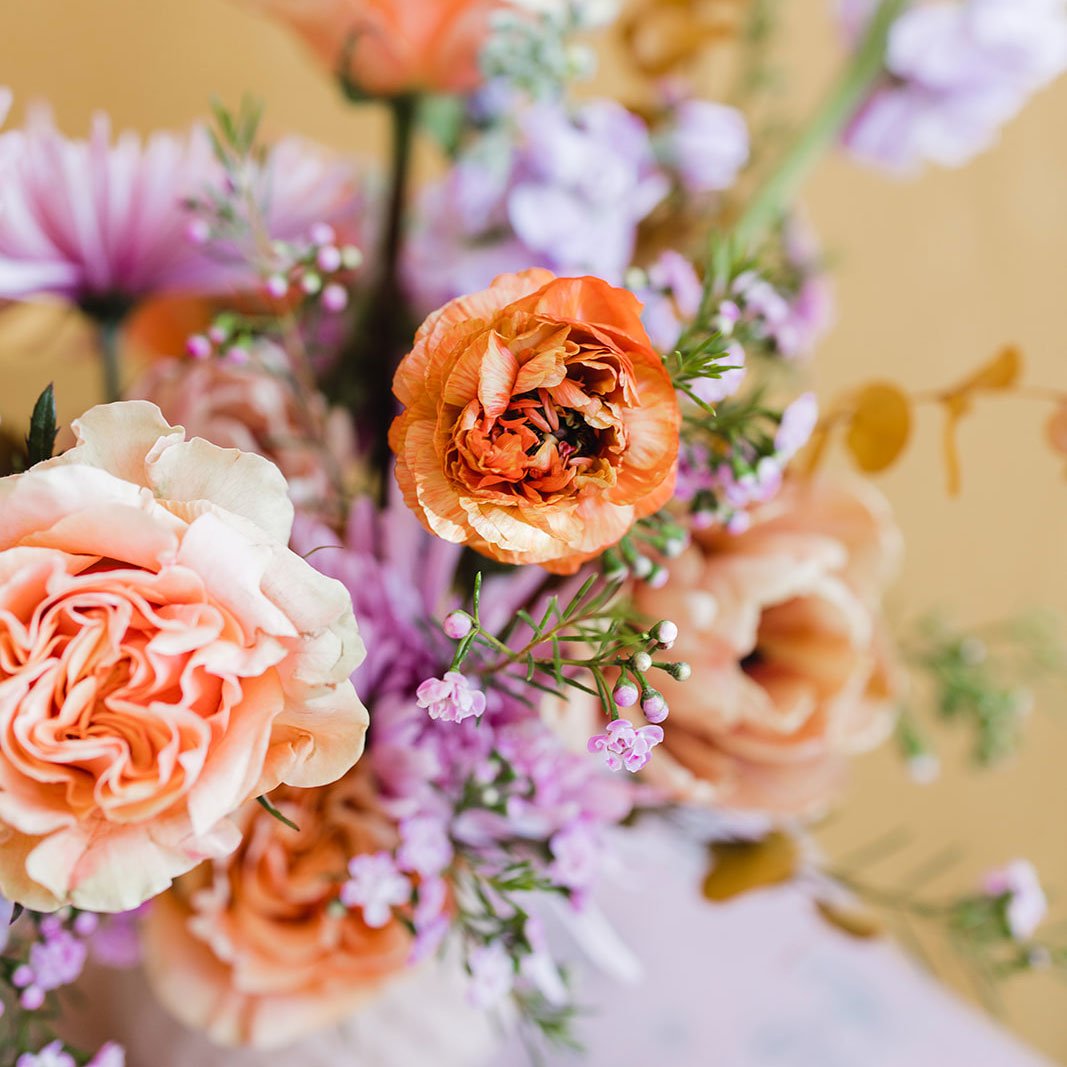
164, 657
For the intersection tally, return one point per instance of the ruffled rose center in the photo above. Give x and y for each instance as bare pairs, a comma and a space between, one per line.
114, 684
548, 421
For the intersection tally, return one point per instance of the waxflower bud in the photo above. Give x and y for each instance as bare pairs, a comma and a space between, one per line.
665, 633
458, 624
680, 671
654, 706
625, 695
335, 298
658, 577
641, 661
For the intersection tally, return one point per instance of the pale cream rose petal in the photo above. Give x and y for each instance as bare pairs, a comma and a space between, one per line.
15, 882
34, 504
239, 482
118, 438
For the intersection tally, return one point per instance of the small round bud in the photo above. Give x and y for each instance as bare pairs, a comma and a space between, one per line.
335, 298
32, 998
457, 625
642, 566
654, 706
198, 232
85, 924
22, 977
218, 334
198, 346
351, 257
658, 578
641, 661
277, 286
322, 233
680, 671
665, 633
673, 547
237, 355
625, 695
311, 283
329, 259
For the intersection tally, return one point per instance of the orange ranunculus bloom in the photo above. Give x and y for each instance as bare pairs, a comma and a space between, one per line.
539, 423
253, 949
390, 47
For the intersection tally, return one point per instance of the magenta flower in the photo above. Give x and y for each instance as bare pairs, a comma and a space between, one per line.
451, 698
626, 746
377, 886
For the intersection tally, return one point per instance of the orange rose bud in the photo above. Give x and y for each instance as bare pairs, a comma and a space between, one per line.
539, 423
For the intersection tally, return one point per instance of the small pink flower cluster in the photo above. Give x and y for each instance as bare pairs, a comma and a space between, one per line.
625, 745
55, 960
452, 698
55, 1054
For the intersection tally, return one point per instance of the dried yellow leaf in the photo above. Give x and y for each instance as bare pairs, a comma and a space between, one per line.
1003, 371
880, 426
741, 866
855, 920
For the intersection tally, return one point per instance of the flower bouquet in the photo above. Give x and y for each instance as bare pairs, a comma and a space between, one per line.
437, 542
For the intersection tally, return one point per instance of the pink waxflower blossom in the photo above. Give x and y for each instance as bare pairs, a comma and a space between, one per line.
576, 854
492, 975
52, 1055
424, 845
451, 698
796, 427
376, 886
109, 1055
624, 745
1027, 903
57, 959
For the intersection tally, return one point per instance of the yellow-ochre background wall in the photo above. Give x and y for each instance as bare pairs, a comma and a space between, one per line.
933, 275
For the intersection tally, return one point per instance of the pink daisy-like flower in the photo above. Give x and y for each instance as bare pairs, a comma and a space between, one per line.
99, 221
103, 221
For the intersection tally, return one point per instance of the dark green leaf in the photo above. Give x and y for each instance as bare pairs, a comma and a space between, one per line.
41, 441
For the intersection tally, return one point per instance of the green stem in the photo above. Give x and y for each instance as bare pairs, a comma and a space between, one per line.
771, 199
384, 324
110, 359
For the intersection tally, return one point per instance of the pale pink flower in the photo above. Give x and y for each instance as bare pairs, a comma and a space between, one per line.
492, 975
624, 745
376, 886
451, 698
1027, 904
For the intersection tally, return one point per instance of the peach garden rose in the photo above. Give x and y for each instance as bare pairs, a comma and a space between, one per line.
539, 423
782, 628
256, 949
163, 658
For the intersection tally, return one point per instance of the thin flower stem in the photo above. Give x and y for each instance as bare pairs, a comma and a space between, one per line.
780, 188
110, 359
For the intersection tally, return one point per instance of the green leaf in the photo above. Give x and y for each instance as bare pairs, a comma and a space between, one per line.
267, 806
41, 441
442, 117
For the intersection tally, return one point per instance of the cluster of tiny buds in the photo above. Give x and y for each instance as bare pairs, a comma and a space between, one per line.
628, 562
313, 269
627, 693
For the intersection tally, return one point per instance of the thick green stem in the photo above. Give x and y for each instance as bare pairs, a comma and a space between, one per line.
383, 328
771, 200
